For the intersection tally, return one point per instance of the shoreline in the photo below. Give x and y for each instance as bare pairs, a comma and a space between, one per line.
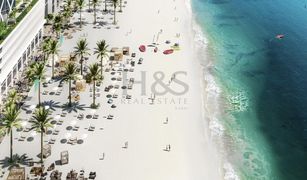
212, 95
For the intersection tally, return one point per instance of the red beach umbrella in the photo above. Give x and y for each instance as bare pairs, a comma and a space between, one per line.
142, 48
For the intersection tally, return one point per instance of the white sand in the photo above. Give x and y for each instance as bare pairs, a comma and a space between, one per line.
192, 155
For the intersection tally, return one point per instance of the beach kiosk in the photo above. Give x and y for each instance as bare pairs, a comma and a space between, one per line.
114, 49
126, 51
64, 60
17, 173
80, 85
46, 150
118, 56
64, 157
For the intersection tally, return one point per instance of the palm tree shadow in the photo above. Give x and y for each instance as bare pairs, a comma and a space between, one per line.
16, 162
75, 107
52, 104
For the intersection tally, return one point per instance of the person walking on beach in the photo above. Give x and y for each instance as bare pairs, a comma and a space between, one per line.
166, 121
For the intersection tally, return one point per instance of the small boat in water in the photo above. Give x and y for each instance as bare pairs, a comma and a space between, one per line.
142, 48
280, 36
168, 51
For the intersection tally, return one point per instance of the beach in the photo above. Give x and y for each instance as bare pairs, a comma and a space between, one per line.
167, 138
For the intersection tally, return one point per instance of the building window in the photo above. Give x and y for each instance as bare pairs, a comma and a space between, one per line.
15, 71
29, 49
9, 79
40, 34
36, 39
32, 45
3, 87
19, 64
24, 57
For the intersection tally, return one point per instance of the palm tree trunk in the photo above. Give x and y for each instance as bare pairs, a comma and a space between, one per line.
120, 10
101, 63
105, 5
114, 15
69, 94
42, 156
11, 145
94, 92
80, 18
52, 66
39, 93
81, 63
89, 5
94, 13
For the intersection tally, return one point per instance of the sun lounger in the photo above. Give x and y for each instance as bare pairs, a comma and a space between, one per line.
91, 128
60, 122
52, 141
76, 128
80, 116
27, 129
95, 116
55, 132
22, 137
72, 141
92, 175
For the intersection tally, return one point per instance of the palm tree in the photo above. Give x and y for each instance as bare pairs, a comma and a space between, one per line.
58, 28
70, 75
120, 6
80, 4
95, 3
9, 121
41, 122
13, 98
81, 49
102, 52
53, 50
50, 18
35, 74
92, 77
115, 3
45, 48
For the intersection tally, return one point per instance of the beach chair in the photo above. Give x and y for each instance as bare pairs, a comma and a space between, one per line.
52, 140
22, 137
72, 141
95, 116
92, 175
91, 128
55, 132
76, 128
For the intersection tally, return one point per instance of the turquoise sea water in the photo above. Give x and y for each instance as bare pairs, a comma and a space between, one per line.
264, 82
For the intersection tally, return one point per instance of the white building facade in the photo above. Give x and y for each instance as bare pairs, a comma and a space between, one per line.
18, 46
